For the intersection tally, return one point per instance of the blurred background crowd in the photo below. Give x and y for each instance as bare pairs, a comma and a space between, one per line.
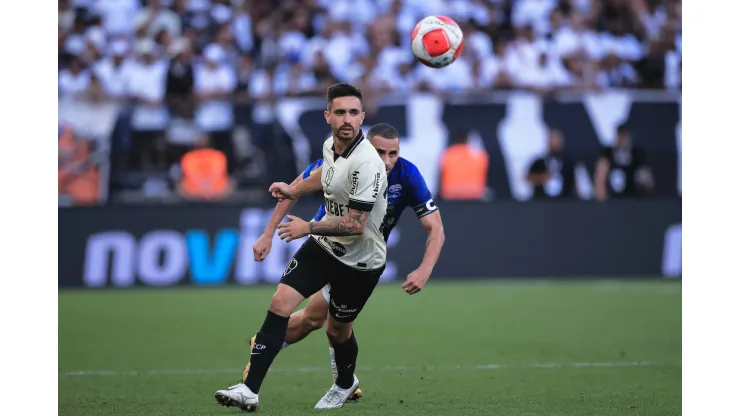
151, 91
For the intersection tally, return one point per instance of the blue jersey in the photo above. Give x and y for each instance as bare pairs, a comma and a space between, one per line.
406, 188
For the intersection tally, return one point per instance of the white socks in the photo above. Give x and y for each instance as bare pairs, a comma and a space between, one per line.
334, 371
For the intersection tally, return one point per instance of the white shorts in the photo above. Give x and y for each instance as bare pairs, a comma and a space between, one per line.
326, 292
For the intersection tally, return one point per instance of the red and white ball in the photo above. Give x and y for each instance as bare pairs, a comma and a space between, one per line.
436, 41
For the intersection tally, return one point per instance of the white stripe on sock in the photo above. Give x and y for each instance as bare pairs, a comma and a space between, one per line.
334, 371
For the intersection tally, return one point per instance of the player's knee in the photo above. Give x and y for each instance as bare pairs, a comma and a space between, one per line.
285, 300
281, 304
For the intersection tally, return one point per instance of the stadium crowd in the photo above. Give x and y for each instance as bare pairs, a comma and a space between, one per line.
303, 46
179, 67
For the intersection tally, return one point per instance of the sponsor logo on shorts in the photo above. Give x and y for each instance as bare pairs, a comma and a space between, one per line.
338, 249
291, 266
342, 309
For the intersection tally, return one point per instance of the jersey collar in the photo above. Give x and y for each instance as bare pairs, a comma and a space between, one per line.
360, 137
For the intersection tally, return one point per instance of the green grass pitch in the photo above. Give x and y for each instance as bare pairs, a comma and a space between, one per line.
464, 348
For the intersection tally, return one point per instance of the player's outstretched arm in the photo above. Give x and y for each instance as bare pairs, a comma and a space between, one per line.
416, 280
309, 185
432, 223
282, 190
263, 245
351, 224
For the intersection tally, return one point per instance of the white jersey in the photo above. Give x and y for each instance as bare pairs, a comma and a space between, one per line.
355, 179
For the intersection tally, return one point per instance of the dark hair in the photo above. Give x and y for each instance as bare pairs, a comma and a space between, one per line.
342, 90
383, 130
623, 128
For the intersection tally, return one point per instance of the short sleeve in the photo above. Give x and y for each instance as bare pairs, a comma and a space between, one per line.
419, 196
365, 182
313, 167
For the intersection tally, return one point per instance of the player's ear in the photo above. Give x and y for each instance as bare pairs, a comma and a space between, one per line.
362, 117
326, 116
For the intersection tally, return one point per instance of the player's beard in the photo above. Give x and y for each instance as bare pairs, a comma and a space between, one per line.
345, 133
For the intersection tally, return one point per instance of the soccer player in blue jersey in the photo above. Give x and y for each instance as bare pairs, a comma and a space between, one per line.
406, 188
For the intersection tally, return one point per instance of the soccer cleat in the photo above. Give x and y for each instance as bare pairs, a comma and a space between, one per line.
336, 396
246, 369
240, 396
355, 396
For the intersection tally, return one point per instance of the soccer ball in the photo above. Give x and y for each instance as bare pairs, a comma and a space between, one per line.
436, 41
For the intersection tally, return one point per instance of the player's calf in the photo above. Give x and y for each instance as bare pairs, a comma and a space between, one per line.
345, 346
303, 323
271, 337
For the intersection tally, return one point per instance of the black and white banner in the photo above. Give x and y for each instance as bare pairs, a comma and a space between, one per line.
513, 129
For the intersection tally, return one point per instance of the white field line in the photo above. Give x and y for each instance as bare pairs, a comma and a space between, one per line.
384, 368
618, 286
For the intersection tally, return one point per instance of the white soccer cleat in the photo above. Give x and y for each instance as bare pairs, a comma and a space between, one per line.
240, 396
352, 397
337, 396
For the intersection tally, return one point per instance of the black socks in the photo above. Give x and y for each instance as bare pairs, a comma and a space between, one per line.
345, 355
267, 345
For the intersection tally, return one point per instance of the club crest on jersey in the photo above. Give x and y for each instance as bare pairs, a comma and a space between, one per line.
395, 190
329, 176
327, 179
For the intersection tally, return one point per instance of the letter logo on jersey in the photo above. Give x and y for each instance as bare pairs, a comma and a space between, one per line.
355, 179
376, 186
338, 249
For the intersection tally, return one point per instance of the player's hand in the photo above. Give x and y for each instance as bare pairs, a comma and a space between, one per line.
282, 190
262, 247
415, 281
294, 229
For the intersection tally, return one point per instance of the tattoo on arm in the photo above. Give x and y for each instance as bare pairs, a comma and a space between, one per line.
351, 224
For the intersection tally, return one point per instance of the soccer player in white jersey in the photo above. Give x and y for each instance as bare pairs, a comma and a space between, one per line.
346, 250
406, 189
